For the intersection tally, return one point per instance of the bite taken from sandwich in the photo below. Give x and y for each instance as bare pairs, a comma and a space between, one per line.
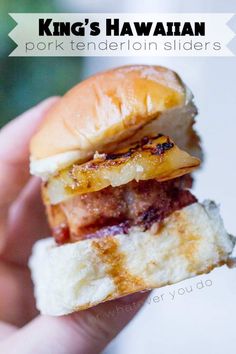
116, 155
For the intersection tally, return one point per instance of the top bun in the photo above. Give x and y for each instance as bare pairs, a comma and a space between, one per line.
107, 109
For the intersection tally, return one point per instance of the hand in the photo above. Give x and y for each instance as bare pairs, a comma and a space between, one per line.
22, 222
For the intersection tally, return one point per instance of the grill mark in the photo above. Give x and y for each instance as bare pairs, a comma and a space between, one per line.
188, 244
107, 249
146, 145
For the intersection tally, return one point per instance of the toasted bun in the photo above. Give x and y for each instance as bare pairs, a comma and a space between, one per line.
80, 275
106, 109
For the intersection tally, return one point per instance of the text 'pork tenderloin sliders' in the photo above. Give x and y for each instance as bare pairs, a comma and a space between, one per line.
115, 155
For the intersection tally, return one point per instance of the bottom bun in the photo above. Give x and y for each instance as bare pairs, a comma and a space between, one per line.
76, 276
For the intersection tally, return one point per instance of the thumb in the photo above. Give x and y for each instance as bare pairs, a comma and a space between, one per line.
84, 332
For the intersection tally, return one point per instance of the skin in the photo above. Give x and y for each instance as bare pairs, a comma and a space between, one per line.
22, 222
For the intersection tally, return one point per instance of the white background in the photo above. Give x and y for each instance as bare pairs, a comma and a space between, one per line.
204, 320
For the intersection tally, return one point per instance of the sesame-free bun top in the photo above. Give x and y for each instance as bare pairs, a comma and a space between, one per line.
106, 109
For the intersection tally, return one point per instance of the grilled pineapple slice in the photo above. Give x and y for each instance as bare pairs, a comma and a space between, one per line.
151, 158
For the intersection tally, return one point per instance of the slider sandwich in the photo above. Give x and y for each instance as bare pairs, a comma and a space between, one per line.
116, 156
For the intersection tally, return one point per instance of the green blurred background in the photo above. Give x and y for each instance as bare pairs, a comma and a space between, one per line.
26, 81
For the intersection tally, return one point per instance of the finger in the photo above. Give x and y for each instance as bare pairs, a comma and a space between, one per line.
14, 150
17, 305
26, 223
85, 332
14, 155
6, 330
